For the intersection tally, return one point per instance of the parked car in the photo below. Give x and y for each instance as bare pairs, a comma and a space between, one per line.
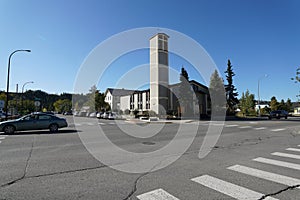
92, 115
99, 115
68, 112
105, 115
112, 116
278, 114
35, 121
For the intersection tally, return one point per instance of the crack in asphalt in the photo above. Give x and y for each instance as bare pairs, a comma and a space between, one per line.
280, 191
134, 189
23, 177
25, 169
52, 174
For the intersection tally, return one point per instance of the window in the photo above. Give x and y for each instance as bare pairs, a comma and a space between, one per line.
140, 100
131, 102
44, 117
162, 43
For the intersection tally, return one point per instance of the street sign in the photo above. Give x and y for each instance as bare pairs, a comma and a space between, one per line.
37, 103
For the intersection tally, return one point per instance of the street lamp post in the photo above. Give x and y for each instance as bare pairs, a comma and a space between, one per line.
7, 84
258, 101
23, 92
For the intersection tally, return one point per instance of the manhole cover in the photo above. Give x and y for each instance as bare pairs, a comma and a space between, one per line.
148, 143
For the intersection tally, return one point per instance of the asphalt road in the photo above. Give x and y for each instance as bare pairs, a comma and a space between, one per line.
255, 159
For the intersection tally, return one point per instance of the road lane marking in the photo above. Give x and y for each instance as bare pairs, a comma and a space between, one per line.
253, 122
293, 149
260, 128
158, 194
231, 125
285, 180
245, 127
286, 155
90, 124
227, 188
77, 124
279, 129
0, 142
2, 137
278, 163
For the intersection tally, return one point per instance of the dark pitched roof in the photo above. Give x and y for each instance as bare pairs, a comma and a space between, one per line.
119, 92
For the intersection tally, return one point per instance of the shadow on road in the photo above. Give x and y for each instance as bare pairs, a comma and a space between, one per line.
43, 132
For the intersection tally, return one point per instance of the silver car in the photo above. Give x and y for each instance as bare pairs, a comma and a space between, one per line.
35, 121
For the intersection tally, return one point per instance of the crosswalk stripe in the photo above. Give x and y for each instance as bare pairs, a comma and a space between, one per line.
158, 194
285, 180
293, 149
227, 188
245, 127
231, 125
278, 163
2, 138
260, 128
279, 129
286, 155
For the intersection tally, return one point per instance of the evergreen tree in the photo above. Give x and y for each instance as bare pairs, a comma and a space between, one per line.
289, 105
217, 94
185, 94
274, 103
247, 103
231, 94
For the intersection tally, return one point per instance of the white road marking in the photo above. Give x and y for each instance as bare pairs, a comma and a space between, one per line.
158, 194
227, 188
278, 163
260, 128
293, 149
279, 129
112, 123
231, 125
90, 124
286, 155
2, 138
101, 123
78, 124
215, 124
253, 122
0, 142
285, 180
245, 127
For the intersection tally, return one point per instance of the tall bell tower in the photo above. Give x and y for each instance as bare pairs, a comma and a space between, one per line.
159, 73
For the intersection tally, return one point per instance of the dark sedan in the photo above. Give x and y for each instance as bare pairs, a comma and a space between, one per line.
35, 121
278, 114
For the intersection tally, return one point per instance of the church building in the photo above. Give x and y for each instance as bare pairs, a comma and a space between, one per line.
161, 98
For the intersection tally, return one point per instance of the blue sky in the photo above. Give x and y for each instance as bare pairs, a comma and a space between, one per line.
258, 36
